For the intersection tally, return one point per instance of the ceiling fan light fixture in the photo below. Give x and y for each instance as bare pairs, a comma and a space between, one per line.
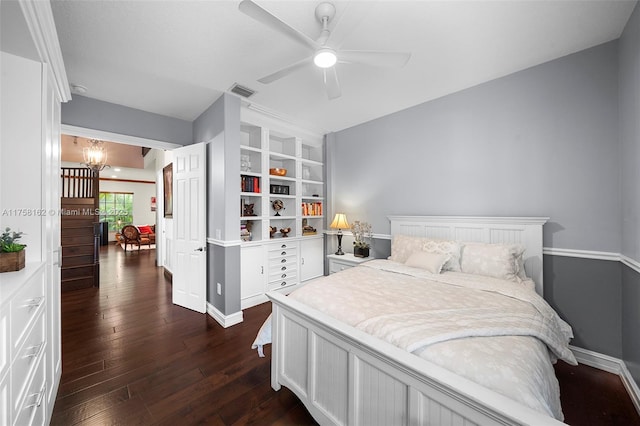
325, 58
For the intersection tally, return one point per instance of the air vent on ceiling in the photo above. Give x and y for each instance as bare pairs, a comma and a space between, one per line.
241, 90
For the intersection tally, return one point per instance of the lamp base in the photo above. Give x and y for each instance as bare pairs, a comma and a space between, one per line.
339, 252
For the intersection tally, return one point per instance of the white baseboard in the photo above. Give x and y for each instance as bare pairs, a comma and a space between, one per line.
222, 319
611, 365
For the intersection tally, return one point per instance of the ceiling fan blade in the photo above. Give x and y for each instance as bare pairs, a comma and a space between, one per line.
285, 71
374, 58
331, 83
248, 7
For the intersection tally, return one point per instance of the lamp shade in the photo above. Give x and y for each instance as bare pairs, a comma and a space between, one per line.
340, 222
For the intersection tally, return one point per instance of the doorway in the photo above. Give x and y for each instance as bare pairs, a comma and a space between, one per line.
150, 204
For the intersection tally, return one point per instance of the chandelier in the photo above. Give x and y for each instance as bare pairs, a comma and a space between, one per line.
95, 155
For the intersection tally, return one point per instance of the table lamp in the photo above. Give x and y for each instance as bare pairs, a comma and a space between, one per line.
339, 223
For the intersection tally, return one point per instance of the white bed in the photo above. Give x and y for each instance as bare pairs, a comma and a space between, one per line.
345, 375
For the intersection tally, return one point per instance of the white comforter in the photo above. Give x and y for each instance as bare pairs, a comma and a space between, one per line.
497, 333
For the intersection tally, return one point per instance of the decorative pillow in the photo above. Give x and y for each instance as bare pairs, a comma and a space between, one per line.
402, 246
522, 273
450, 248
432, 262
145, 229
493, 260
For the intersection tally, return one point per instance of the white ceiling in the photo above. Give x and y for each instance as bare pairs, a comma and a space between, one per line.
176, 57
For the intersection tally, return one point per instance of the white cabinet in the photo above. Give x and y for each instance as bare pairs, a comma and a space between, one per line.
23, 340
279, 265
252, 279
271, 204
283, 264
339, 263
311, 258
30, 341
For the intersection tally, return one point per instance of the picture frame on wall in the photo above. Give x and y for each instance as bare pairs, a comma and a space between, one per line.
167, 174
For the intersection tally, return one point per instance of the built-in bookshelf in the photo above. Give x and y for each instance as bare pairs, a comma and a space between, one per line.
281, 226
271, 204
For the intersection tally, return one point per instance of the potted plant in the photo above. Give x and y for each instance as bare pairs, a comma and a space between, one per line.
11, 252
362, 234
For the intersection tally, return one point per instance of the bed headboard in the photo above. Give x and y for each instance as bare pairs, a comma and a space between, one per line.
526, 231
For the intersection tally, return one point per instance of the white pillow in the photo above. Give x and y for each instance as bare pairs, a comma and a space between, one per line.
493, 260
450, 248
402, 246
432, 262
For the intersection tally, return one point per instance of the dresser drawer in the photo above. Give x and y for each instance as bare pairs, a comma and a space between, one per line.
26, 304
289, 274
282, 267
33, 408
289, 245
26, 359
275, 255
338, 266
287, 262
281, 283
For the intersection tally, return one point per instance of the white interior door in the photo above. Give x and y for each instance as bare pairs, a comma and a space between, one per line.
189, 221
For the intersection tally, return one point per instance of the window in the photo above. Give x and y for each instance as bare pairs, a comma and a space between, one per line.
116, 208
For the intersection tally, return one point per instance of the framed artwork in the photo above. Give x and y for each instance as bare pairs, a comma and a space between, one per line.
167, 174
153, 204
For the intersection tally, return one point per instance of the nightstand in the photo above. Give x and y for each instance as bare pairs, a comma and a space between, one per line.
339, 263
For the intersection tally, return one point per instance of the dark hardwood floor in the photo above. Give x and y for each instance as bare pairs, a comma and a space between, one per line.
131, 357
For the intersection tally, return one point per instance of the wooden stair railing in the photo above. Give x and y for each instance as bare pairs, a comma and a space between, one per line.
80, 229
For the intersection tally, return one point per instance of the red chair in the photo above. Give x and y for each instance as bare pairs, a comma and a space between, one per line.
131, 235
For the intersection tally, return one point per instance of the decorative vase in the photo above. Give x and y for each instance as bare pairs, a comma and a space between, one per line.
10, 262
361, 251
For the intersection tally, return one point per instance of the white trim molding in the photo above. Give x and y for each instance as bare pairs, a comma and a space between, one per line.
117, 137
631, 263
224, 320
597, 255
39, 18
584, 254
611, 365
223, 243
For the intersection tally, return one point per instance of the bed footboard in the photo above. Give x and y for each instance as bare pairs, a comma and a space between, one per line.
346, 377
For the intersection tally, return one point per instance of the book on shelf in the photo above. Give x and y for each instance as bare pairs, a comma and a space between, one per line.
249, 183
312, 209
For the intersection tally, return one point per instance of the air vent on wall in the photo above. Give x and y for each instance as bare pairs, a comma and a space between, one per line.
245, 92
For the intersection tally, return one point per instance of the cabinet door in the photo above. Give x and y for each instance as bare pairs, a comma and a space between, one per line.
252, 272
311, 258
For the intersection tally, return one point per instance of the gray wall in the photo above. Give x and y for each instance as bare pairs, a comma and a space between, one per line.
98, 115
540, 142
219, 127
630, 143
587, 294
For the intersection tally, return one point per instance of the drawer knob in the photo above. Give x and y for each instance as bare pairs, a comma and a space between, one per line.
37, 399
283, 276
284, 268
283, 246
283, 261
284, 253
34, 303
33, 351
283, 283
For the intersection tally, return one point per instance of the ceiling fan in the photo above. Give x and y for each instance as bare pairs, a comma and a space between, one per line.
325, 52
